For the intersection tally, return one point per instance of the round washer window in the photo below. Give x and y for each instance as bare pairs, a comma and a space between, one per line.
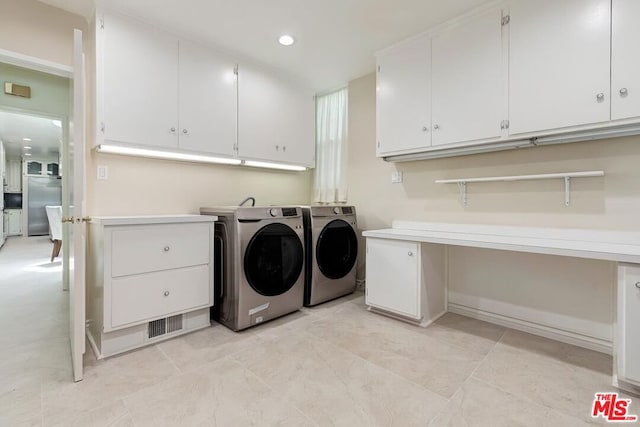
273, 260
337, 249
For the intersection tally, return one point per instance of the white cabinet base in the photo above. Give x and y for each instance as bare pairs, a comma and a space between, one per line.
111, 343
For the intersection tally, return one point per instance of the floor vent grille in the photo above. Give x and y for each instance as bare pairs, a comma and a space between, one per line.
174, 323
157, 328
165, 326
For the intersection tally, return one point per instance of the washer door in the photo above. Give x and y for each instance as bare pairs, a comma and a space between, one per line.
337, 249
273, 260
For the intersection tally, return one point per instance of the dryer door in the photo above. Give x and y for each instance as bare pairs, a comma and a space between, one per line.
273, 259
337, 249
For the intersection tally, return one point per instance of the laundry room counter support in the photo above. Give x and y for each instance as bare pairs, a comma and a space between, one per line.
407, 278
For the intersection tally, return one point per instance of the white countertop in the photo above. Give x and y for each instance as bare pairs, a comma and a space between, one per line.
593, 244
151, 219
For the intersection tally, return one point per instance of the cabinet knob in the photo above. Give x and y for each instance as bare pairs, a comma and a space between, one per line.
436, 127
172, 130
185, 131
166, 248
424, 128
638, 285
410, 253
277, 148
624, 91
166, 293
284, 148
600, 97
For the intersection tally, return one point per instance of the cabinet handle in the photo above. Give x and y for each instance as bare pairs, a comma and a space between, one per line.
173, 130
277, 148
638, 285
185, 131
166, 293
436, 127
600, 97
410, 253
166, 248
284, 148
624, 91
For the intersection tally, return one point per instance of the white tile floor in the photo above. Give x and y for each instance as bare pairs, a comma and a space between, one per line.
336, 364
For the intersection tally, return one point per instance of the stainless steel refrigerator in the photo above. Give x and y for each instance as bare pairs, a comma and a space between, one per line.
42, 191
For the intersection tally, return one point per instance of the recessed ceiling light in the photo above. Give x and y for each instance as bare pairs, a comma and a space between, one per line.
26, 139
286, 40
27, 154
27, 148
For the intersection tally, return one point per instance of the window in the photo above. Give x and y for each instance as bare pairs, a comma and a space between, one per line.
330, 181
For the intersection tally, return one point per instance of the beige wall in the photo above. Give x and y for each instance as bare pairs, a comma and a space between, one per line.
36, 29
138, 186
609, 202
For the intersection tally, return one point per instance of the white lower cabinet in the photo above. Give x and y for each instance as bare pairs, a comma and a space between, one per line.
405, 279
14, 222
628, 334
148, 281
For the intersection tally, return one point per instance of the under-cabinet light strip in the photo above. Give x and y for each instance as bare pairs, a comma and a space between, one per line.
156, 154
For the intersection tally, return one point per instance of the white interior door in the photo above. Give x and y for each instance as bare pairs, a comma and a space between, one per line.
73, 211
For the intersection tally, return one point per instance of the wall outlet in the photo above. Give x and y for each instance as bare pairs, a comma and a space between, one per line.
103, 172
396, 177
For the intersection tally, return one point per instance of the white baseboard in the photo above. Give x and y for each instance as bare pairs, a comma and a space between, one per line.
591, 343
422, 323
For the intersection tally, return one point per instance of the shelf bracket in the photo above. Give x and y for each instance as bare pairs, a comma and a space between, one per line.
567, 190
462, 185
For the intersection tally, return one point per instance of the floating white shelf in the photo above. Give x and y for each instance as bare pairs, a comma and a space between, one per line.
462, 182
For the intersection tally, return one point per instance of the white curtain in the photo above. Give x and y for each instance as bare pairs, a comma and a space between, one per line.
330, 183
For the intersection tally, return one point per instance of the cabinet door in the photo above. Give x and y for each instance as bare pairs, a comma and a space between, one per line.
558, 64
208, 101
625, 63
628, 320
403, 98
468, 90
275, 119
15, 222
14, 178
393, 279
139, 88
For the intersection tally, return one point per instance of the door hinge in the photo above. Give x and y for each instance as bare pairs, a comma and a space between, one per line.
378, 68
102, 126
102, 23
235, 69
506, 19
504, 124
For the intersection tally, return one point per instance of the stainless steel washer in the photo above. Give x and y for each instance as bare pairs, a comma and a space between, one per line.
332, 250
259, 258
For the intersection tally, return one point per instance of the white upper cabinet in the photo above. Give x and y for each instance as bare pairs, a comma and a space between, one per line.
275, 119
558, 64
403, 102
625, 62
467, 80
208, 101
138, 91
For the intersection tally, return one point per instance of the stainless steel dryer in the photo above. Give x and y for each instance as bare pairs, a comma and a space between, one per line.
332, 250
259, 259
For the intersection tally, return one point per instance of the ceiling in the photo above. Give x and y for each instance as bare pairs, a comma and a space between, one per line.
44, 134
336, 39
